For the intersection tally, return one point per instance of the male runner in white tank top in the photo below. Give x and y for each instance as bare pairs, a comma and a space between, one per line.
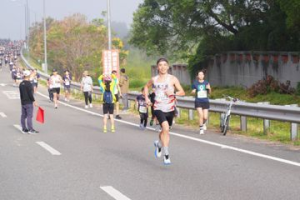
165, 86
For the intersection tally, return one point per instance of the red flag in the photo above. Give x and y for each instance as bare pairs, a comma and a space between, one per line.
40, 115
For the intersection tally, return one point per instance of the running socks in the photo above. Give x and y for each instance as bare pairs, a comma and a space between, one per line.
166, 150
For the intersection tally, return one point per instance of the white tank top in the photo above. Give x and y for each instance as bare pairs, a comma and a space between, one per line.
162, 101
55, 81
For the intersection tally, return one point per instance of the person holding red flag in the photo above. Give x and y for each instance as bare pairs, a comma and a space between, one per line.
27, 101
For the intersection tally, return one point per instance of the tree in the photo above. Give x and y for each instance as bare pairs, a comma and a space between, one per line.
198, 29
74, 44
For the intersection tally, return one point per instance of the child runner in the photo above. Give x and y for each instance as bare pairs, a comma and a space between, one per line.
143, 109
34, 79
201, 88
50, 89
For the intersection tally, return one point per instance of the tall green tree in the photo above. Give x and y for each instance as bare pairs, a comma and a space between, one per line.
198, 29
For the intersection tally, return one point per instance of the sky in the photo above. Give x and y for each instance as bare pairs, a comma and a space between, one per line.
12, 14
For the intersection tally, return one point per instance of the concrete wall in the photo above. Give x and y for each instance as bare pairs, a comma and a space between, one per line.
246, 68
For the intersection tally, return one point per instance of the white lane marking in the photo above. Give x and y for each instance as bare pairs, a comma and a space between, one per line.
3, 115
12, 94
17, 126
114, 193
49, 148
3, 85
196, 139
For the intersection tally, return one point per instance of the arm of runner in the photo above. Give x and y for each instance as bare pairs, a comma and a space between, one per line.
194, 88
101, 84
92, 86
146, 90
61, 80
180, 91
119, 89
208, 88
81, 85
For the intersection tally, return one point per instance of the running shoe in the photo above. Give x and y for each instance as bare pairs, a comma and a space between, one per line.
151, 122
91, 105
157, 151
113, 130
24, 130
55, 106
104, 130
204, 127
32, 131
118, 117
86, 106
167, 160
141, 126
201, 131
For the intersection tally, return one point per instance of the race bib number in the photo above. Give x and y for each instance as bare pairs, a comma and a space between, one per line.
202, 94
161, 96
143, 109
67, 82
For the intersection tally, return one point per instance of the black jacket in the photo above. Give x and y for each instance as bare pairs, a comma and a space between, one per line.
26, 92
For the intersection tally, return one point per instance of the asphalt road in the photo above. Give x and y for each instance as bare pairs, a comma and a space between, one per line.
94, 165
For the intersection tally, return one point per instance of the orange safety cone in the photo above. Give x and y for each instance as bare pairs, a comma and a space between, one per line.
40, 115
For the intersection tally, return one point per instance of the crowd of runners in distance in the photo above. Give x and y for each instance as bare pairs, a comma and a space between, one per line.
159, 94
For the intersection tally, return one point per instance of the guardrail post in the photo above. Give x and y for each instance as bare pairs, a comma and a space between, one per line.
191, 114
207, 120
179, 112
129, 103
243, 123
266, 121
294, 128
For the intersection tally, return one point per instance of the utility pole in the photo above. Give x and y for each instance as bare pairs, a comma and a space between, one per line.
28, 29
45, 39
108, 25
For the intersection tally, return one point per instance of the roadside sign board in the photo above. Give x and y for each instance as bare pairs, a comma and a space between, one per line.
110, 61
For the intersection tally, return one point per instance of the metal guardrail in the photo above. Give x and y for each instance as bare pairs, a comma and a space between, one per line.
263, 111
271, 112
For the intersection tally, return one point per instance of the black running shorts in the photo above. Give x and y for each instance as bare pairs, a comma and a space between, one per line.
163, 116
55, 90
108, 108
203, 105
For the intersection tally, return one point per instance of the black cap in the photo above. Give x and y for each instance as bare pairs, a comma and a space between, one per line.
54, 70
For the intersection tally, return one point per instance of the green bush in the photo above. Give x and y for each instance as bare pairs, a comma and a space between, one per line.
137, 83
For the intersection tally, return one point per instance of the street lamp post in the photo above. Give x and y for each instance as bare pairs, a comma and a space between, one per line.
28, 29
27, 24
108, 25
45, 39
